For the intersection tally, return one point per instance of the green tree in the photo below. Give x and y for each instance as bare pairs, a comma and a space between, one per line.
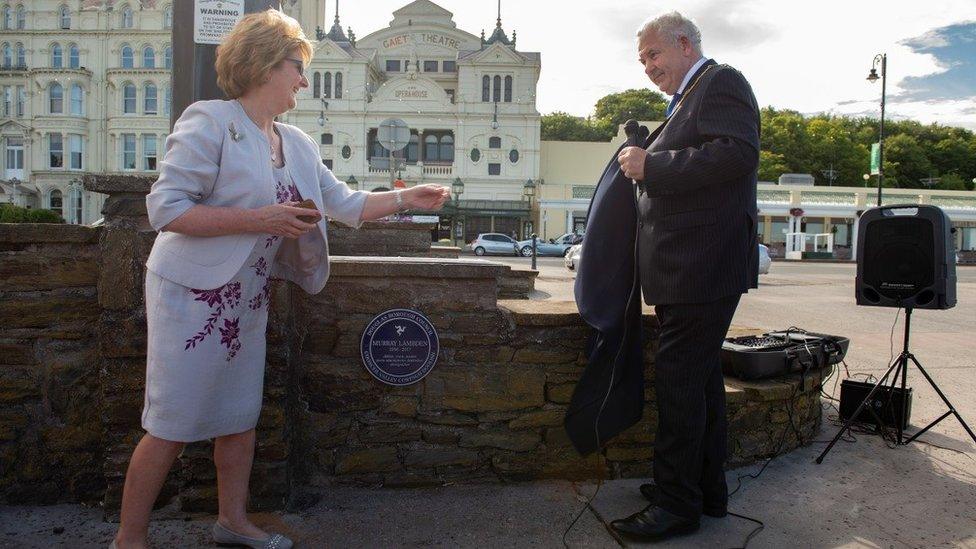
952, 182
906, 158
771, 166
642, 104
560, 126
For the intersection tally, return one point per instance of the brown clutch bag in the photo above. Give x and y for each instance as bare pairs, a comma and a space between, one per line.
307, 203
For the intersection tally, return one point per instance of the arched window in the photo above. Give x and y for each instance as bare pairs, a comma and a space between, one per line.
430, 148
126, 17
412, 148
56, 202
508, 89
485, 86
65, 17
338, 85
150, 101
56, 103
77, 100
7, 56
57, 56
168, 17
21, 55
74, 56
168, 57
8, 19
316, 85
496, 95
21, 18
127, 62
494, 142
327, 85
129, 99
148, 57
447, 148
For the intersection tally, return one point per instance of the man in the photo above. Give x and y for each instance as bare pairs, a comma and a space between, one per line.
698, 249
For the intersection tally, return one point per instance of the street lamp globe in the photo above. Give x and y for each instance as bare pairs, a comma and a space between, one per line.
457, 187
353, 183
528, 190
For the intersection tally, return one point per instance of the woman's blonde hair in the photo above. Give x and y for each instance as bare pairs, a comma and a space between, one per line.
256, 45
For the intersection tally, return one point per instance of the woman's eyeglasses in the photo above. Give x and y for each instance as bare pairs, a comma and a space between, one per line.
299, 64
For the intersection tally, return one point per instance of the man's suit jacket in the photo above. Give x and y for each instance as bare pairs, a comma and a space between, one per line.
218, 157
697, 228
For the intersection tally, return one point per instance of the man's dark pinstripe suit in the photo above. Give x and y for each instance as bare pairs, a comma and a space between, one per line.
698, 252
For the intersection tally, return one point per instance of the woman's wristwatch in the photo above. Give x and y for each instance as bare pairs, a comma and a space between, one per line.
398, 195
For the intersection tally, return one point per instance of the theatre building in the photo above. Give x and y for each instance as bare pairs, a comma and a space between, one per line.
468, 100
85, 88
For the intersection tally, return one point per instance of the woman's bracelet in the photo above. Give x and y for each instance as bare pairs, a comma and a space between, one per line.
398, 196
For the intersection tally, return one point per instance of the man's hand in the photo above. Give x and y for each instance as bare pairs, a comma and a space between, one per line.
632, 162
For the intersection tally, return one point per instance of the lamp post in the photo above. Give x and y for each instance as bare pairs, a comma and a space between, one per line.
457, 188
322, 119
494, 118
528, 192
873, 77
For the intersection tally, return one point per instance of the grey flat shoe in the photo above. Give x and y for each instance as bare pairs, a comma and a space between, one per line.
223, 536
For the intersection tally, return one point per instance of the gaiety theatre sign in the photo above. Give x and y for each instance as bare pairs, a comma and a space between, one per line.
422, 38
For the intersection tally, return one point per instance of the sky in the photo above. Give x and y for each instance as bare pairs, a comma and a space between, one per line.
807, 56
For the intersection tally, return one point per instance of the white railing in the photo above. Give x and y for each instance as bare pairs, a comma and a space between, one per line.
796, 243
438, 170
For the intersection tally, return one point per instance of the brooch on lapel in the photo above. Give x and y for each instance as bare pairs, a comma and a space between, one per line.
234, 134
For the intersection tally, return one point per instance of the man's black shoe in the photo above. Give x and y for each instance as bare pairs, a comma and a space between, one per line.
649, 491
654, 524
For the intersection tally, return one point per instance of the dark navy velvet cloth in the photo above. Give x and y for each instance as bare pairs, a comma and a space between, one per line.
608, 297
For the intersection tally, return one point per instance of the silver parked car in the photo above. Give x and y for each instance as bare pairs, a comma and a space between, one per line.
554, 246
493, 243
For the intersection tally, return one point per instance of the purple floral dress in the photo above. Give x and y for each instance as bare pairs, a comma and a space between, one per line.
206, 348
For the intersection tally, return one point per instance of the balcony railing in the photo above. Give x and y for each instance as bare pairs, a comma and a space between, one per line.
13, 67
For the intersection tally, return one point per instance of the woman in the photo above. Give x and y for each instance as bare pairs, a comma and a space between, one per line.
225, 204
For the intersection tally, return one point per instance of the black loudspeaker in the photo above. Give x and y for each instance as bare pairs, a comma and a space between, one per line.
886, 402
905, 258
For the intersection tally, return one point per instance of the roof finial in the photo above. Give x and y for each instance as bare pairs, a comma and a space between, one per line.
335, 33
498, 23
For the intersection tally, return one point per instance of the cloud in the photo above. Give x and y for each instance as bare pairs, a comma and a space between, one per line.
731, 26
952, 50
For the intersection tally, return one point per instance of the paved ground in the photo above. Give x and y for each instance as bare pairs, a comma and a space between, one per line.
863, 495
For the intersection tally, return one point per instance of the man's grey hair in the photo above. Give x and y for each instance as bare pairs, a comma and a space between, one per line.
671, 27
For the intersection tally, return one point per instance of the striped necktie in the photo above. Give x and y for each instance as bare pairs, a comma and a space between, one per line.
672, 104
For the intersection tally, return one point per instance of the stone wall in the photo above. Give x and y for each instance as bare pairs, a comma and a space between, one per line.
50, 433
492, 409
73, 368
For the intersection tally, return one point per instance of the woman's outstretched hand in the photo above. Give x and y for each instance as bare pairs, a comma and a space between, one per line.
283, 219
426, 197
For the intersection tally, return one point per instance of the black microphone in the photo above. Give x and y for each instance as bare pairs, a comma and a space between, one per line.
642, 134
631, 128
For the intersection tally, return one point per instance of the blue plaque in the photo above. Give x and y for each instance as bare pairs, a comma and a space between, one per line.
399, 347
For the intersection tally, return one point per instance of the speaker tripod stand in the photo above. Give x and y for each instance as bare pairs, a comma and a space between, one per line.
899, 366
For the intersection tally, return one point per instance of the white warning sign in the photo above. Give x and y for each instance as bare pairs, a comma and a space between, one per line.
213, 19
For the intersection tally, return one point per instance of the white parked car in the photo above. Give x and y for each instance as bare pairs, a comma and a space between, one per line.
572, 257
764, 259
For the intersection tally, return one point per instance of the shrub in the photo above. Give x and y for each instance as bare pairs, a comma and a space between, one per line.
15, 214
